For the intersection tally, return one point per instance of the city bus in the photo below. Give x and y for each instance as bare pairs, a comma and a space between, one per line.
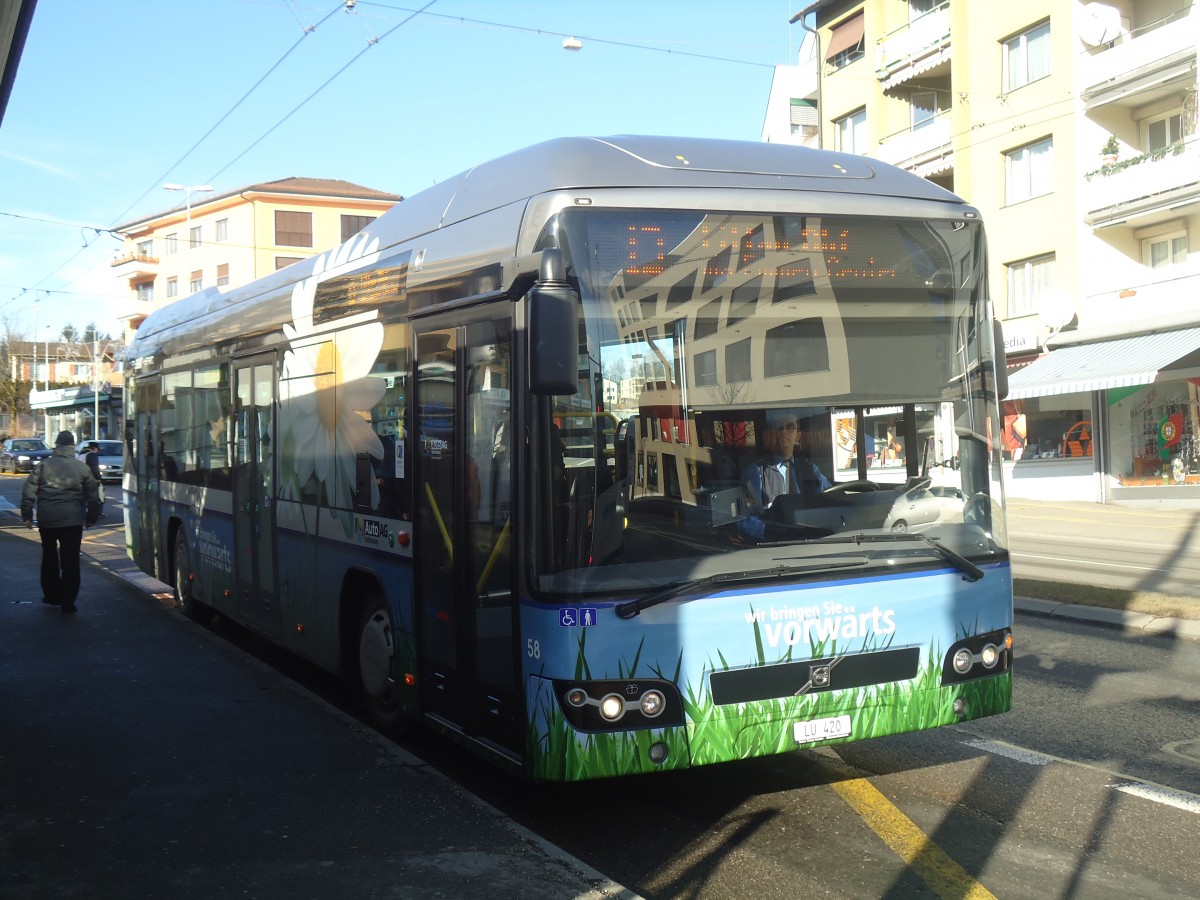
487, 460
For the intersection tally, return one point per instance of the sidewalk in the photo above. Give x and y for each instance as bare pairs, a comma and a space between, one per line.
134, 763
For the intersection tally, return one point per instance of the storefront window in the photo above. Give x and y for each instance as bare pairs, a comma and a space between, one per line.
1048, 427
1156, 433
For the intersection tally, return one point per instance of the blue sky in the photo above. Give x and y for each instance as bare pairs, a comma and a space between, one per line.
114, 97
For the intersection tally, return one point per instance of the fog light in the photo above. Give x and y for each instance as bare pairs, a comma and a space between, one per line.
612, 707
989, 656
962, 661
577, 697
652, 703
658, 753
959, 707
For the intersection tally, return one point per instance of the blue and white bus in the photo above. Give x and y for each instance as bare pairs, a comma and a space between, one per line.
491, 460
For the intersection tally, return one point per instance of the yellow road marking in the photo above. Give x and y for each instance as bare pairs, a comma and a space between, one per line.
931, 863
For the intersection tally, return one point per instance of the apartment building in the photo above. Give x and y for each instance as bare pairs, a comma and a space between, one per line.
231, 238
1072, 127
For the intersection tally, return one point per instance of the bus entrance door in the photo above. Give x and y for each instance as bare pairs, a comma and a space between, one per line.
256, 603
466, 614
145, 497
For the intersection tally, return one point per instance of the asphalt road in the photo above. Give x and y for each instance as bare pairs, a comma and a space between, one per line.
1089, 788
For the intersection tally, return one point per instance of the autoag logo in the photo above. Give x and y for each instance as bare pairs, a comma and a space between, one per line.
374, 533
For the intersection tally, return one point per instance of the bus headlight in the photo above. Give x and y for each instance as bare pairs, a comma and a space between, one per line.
962, 661
619, 705
652, 704
982, 656
612, 707
989, 656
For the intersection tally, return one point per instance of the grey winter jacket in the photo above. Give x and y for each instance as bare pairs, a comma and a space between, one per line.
58, 486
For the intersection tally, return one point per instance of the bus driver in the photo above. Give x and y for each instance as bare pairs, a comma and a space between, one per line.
777, 471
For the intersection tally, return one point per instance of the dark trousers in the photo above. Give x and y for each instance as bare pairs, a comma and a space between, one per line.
60, 563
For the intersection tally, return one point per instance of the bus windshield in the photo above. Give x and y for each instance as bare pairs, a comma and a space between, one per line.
752, 386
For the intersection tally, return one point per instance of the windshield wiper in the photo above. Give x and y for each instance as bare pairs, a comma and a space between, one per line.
633, 607
970, 571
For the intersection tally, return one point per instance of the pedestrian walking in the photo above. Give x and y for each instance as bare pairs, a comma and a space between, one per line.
92, 460
67, 497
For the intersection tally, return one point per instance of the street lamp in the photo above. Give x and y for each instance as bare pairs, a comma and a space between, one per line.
189, 189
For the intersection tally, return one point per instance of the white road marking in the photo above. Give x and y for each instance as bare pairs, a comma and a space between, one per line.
1167, 797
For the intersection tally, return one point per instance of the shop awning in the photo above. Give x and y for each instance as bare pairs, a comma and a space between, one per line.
1123, 362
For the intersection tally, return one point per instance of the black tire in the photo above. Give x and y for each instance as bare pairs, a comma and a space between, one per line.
378, 680
184, 598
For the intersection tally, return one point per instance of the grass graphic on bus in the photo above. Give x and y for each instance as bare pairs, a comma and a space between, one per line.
739, 731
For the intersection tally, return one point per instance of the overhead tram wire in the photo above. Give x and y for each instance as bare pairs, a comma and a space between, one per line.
307, 31
563, 34
371, 43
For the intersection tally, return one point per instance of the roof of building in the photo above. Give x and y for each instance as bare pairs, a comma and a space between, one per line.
331, 188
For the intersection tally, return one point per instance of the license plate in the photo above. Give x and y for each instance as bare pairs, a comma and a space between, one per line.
821, 729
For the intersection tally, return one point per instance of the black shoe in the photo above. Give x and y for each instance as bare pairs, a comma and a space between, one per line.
68, 610
50, 602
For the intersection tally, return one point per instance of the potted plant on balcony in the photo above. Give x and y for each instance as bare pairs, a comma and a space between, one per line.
1108, 153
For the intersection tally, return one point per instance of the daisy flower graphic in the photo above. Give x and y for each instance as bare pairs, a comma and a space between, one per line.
326, 392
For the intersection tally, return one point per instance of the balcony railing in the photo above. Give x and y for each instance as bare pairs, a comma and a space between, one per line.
134, 265
914, 48
1143, 186
1139, 60
1171, 290
920, 148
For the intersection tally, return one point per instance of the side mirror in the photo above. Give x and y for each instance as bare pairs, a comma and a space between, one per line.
1001, 360
553, 331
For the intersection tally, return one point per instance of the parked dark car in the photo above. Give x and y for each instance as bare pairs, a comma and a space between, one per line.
112, 458
20, 454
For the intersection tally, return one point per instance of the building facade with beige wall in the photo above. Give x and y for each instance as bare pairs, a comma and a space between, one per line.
231, 238
1094, 259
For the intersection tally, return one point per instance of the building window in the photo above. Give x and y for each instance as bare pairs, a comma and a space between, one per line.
705, 366
282, 262
737, 361
223, 274
145, 249
194, 237
804, 120
145, 291
172, 288
352, 225
1029, 171
923, 108
1029, 282
850, 132
1165, 250
172, 243
794, 280
1026, 57
222, 230
845, 43
708, 319
197, 281
1163, 131
293, 229
797, 347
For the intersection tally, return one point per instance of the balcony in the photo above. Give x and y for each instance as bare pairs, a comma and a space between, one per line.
135, 266
925, 149
1172, 292
921, 45
1134, 67
1145, 188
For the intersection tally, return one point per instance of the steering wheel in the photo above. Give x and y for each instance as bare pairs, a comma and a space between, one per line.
853, 487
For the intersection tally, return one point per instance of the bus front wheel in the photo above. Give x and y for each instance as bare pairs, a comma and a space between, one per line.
377, 676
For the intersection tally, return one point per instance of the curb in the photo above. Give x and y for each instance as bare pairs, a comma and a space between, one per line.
1143, 623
